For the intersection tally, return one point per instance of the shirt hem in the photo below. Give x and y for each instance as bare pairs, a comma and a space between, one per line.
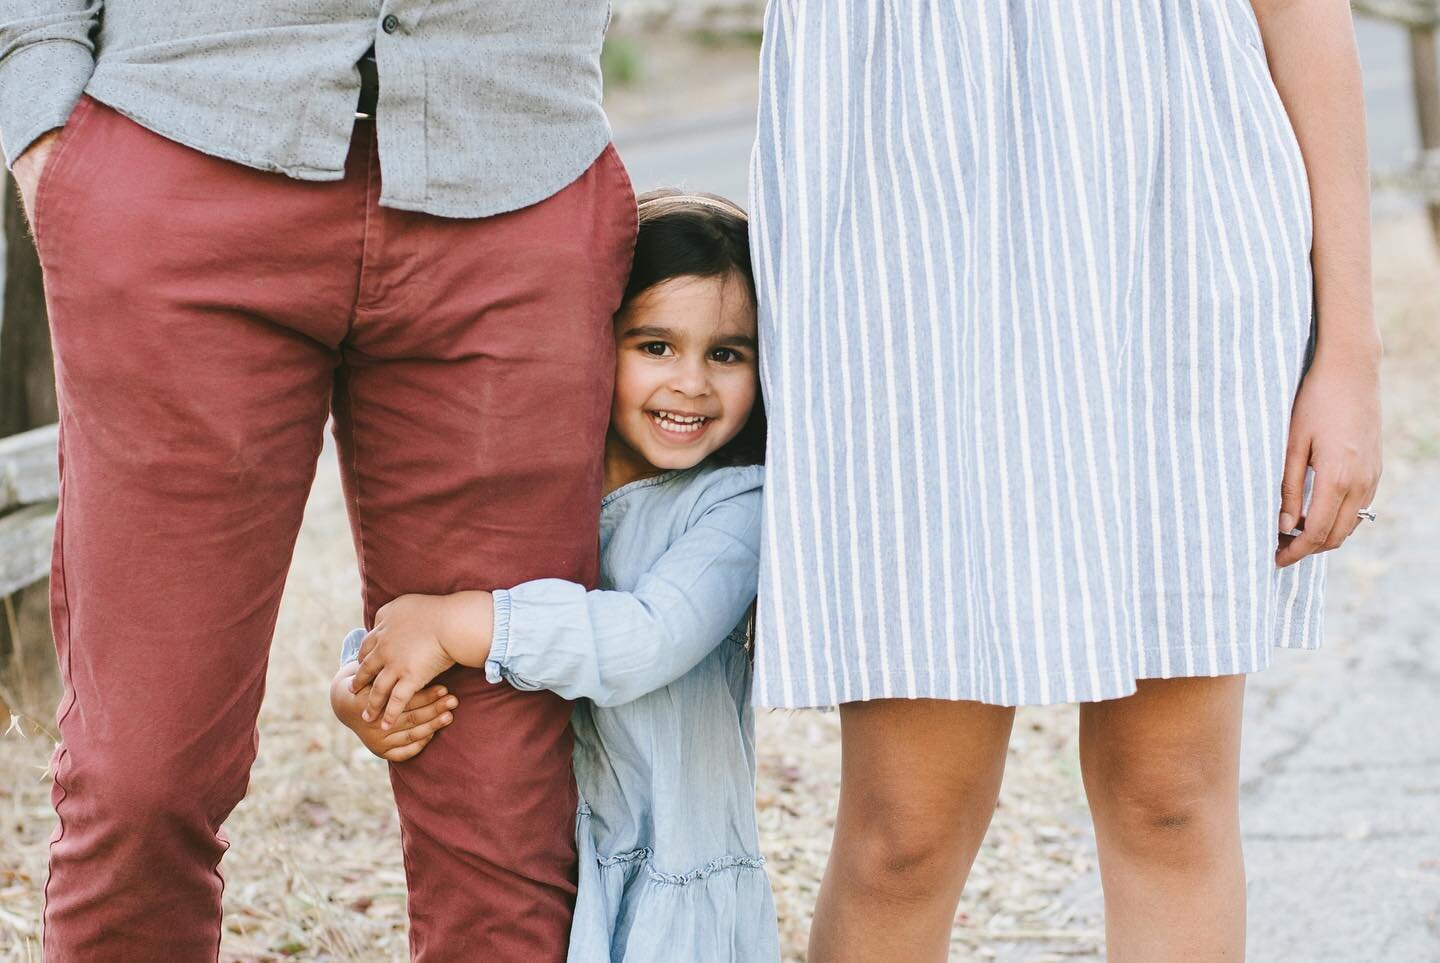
297, 172
1128, 676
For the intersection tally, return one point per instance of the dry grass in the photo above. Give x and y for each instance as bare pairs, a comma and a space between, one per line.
314, 871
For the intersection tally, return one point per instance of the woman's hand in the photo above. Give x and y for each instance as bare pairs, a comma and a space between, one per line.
415, 638
1335, 429
425, 714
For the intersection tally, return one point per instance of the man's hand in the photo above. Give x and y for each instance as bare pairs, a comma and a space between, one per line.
415, 638
28, 167
426, 714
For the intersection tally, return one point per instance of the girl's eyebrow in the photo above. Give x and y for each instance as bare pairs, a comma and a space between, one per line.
648, 331
737, 341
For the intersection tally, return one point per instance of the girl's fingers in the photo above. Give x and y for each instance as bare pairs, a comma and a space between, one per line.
380, 691
1319, 521
408, 751
367, 644
426, 697
402, 693
365, 674
413, 717
1292, 485
423, 732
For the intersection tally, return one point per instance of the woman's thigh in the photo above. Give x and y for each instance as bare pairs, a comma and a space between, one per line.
920, 776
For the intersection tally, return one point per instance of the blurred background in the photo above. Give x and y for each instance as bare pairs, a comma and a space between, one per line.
1341, 769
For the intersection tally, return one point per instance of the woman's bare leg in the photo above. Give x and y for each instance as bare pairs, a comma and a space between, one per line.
1161, 770
918, 784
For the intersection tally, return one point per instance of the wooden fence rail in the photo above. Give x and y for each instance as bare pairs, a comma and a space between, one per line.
29, 485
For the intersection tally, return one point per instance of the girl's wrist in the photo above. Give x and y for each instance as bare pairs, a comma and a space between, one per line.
471, 630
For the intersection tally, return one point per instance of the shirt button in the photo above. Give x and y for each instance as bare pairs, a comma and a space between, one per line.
390, 24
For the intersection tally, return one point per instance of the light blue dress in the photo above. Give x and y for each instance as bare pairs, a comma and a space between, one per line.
670, 865
1035, 296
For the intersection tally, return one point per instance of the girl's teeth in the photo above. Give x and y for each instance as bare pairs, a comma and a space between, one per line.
683, 424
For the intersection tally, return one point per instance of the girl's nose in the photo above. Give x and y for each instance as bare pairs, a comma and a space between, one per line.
691, 380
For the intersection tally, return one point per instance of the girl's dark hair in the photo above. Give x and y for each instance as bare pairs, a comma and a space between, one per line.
689, 234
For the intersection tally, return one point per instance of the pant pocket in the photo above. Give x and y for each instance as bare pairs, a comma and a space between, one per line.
42, 214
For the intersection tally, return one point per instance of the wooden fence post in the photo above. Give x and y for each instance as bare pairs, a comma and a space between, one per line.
29, 683
1420, 18
1425, 76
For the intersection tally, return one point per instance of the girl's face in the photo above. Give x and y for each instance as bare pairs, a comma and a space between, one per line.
686, 375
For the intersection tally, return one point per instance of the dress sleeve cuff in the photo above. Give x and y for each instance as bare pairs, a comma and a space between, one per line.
350, 648
42, 83
499, 637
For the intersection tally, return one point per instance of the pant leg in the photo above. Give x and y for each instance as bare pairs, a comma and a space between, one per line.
471, 413
194, 385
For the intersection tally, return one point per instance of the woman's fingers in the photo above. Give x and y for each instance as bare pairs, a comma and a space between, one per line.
1320, 521
1292, 484
1347, 519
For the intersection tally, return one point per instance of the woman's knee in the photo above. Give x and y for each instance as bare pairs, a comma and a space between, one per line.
1161, 768
920, 779
909, 843
905, 856
1163, 807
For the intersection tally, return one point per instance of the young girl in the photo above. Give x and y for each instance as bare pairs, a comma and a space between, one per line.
658, 658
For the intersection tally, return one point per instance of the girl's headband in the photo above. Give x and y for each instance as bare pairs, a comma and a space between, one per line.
698, 201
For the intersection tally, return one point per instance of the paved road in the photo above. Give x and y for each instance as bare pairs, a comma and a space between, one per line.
1340, 769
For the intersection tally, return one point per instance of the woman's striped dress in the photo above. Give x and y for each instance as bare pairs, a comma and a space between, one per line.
1035, 301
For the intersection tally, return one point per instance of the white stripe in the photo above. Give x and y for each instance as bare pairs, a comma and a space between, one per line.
863, 362
835, 638
1022, 388
802, 192
1201, 519
1077, 522
780, 580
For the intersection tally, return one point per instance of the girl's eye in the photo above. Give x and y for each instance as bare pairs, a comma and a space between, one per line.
726, 355
656, 349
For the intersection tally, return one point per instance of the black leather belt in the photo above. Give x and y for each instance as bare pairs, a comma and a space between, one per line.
369, 85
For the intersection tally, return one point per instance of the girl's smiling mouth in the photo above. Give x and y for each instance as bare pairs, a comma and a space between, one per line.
678, 426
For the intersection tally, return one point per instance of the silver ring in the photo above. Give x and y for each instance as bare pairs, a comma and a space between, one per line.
1366, 514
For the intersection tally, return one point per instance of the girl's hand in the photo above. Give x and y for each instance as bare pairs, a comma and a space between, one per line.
415, 638
1335, 429
426, 714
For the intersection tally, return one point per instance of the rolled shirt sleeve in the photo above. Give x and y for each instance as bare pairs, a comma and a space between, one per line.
613, 647
46, 59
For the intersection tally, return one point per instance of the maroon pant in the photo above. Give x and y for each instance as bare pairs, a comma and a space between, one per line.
208, 318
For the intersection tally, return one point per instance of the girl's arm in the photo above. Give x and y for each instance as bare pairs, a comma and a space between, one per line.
613, 647
1335, 424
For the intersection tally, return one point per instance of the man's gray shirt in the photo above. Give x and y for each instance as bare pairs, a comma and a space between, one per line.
485, 105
